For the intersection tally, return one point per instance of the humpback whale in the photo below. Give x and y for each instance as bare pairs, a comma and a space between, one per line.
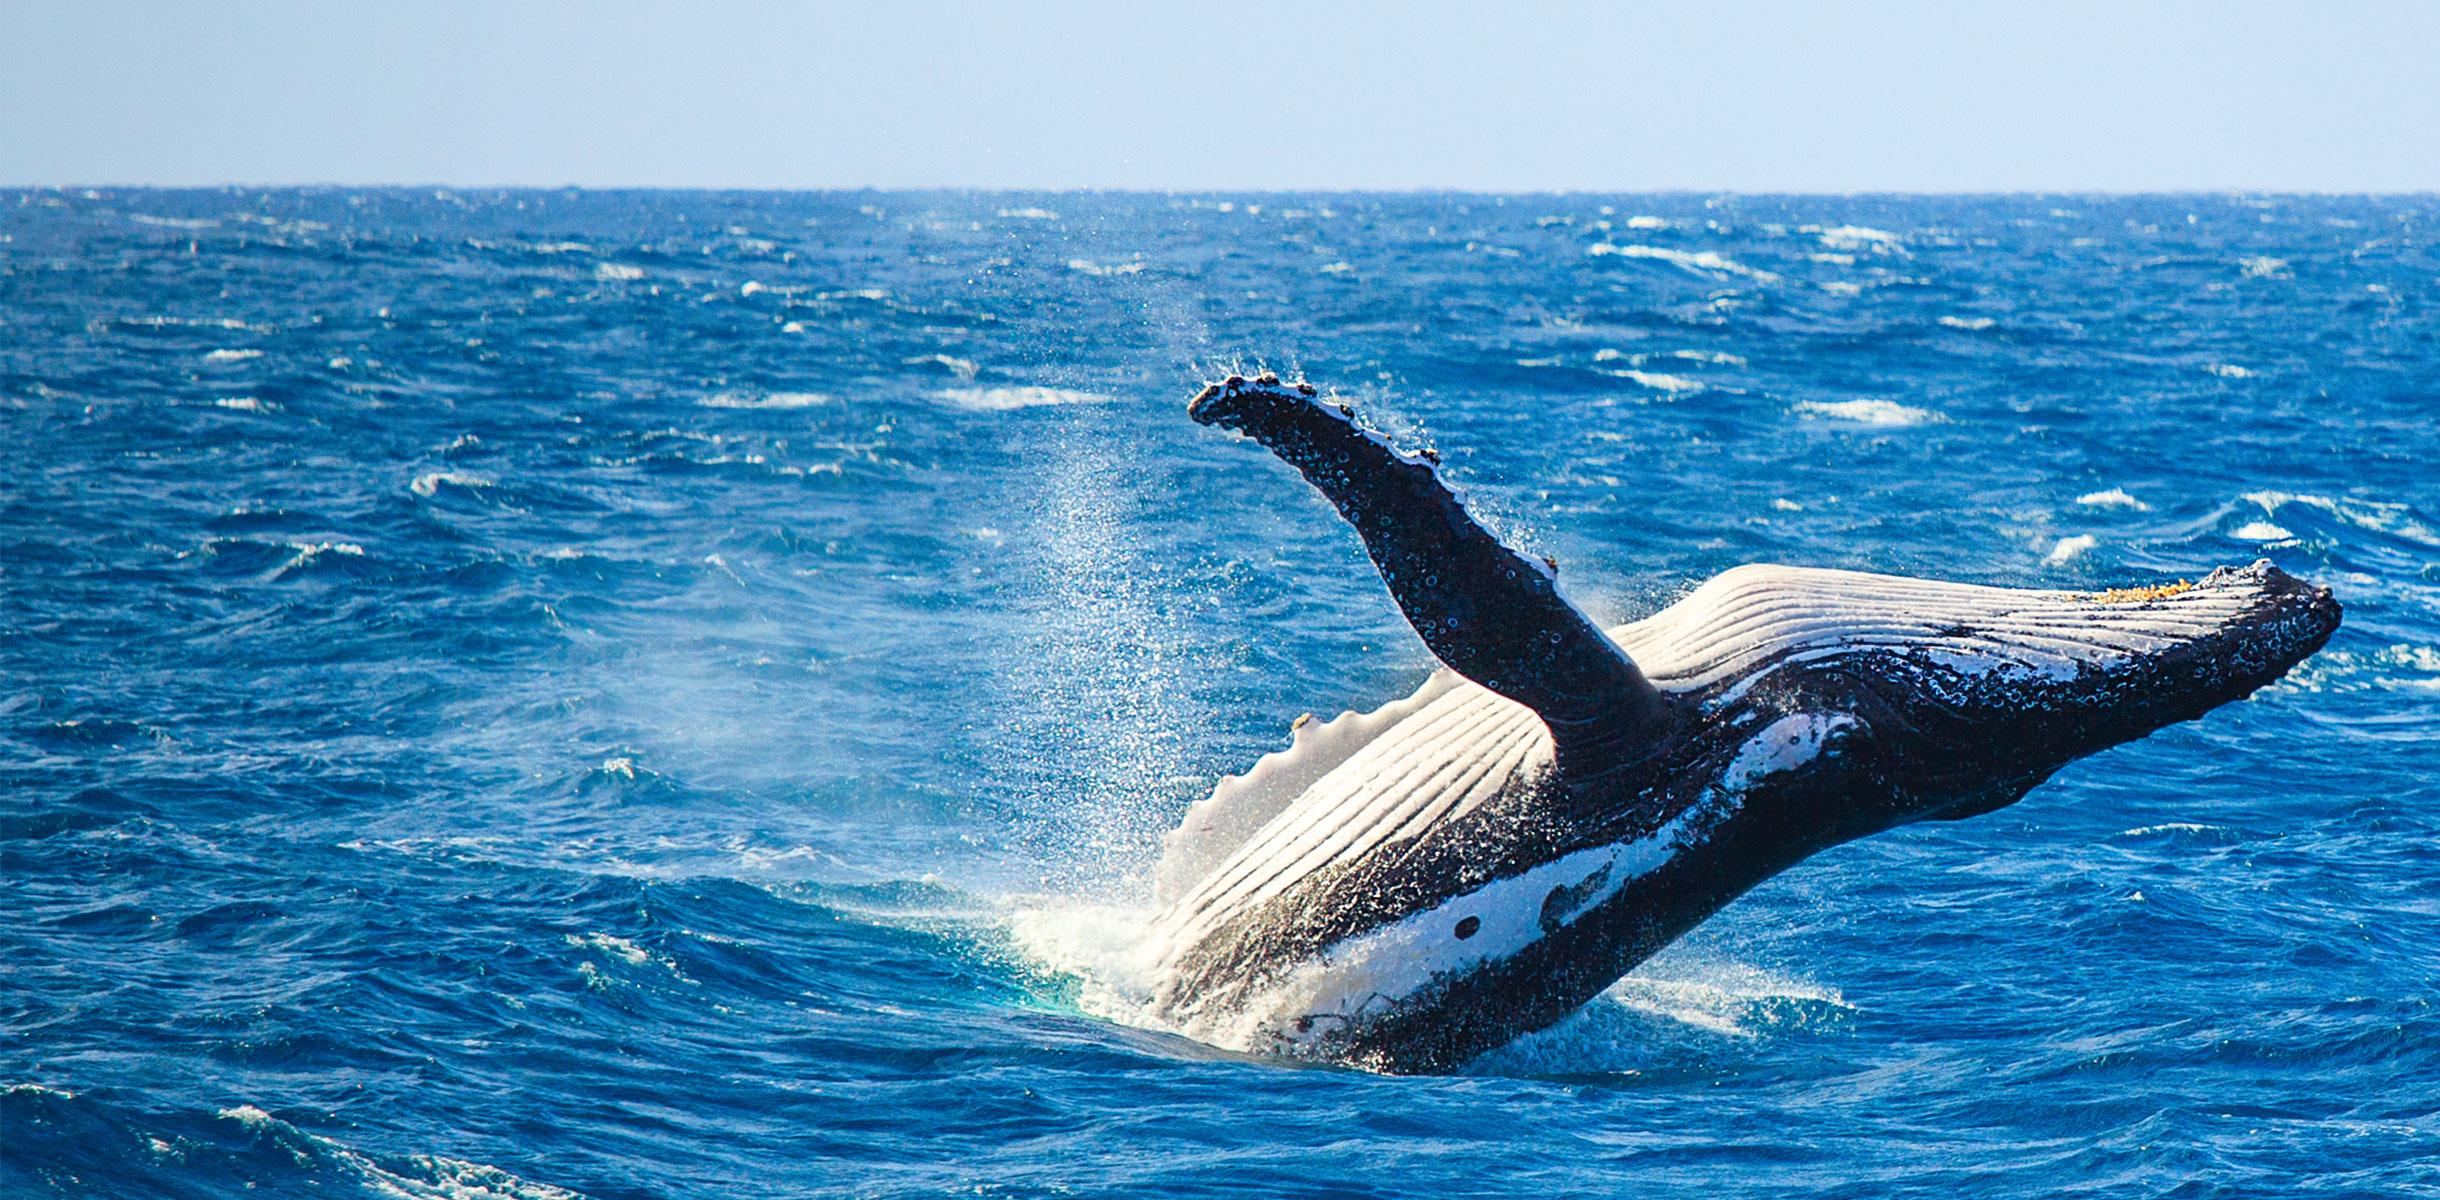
1405, 889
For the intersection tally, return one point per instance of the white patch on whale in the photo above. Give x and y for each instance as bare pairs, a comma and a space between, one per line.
1361, 975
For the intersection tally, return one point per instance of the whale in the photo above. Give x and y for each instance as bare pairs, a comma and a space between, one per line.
1406, 889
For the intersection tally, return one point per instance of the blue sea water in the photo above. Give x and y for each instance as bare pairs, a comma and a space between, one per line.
677, 694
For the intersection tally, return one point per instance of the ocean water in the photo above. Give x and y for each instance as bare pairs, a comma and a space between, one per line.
678, 694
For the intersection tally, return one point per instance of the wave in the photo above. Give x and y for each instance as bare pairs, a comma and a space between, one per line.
1007, 399
63, 1143
1888, 413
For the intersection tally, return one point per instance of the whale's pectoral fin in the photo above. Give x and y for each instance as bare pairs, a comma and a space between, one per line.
1491, 614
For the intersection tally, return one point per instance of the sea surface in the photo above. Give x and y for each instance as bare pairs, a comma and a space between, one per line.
656, 694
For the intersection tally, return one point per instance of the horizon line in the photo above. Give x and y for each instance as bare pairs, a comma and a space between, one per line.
1092, 189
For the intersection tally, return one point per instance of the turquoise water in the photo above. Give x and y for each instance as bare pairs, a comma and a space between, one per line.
678, 694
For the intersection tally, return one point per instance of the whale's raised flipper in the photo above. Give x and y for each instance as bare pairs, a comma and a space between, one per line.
1493, 615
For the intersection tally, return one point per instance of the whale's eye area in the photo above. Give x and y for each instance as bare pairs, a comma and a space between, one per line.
1466, 928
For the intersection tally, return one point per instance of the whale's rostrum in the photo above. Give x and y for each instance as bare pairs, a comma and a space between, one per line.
1404, 889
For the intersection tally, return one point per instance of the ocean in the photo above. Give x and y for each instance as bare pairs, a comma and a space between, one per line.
678, 694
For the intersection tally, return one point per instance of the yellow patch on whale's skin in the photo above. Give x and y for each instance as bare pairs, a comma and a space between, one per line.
2139, 595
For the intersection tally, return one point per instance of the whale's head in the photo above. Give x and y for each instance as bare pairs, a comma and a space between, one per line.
1946, 700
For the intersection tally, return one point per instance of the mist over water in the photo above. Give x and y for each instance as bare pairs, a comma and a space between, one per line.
679, 694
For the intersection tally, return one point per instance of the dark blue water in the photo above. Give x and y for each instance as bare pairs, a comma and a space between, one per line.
678, 694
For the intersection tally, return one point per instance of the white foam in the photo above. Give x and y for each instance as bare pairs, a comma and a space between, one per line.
430, 483
963, 368
1855, 237
2228, 370
242, 404
418, 1177
1607, 354
1868, 412
2262, 531
230, 356
1003, 399
2112, 498
1704, 261
2069, 549
764, 400
175, 222
1974, 323
616, 947
1089, 267
2263, 266
616, 272
1660, 382
1108, 948
1029, 214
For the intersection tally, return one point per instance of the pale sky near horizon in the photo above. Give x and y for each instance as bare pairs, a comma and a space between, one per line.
1737, 95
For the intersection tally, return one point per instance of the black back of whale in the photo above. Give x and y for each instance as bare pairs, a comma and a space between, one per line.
1905, 739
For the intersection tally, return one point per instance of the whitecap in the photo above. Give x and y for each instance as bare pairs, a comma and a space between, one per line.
764, 400
242, 404
2262, 531
1854, 237
1647, 223
2113, 498
1975, 323
963, 368
2069, 549
1029, 214
430, 483
616, 947
616, 272
1704, 261
308, 552
2228, 370
2263, 266
1335, 268
229, 356
1004, 399
1868, 412
1089, 267
175, 222
416, 1177
1659, 382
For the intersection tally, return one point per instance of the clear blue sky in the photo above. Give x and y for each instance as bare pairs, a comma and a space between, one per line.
1695, 94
